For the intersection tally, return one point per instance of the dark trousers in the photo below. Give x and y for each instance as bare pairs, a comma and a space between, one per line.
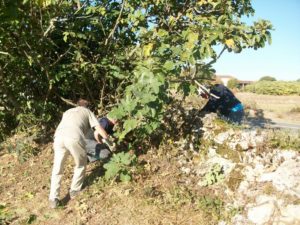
236, 117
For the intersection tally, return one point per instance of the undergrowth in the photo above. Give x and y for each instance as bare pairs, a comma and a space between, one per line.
283, 139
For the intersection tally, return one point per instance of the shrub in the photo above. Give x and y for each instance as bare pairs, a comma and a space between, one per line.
233, 83
295, 110
274, 88
267, 78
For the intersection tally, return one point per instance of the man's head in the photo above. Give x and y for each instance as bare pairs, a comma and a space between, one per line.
113, 120
203, 91
82, 102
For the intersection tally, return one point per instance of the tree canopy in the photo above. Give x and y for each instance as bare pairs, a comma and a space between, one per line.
267, 78
122, 55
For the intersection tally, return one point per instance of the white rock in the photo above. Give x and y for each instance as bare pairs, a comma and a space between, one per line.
222, 137
244, 145
262, 213
186, 170
286, 177
211, 152
290, 214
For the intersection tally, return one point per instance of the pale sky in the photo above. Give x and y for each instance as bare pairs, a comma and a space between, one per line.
281, 59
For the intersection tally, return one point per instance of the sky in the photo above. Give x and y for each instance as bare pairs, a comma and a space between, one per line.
281, 59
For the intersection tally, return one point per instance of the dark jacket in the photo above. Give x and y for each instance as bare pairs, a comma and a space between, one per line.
106, 125
224, 104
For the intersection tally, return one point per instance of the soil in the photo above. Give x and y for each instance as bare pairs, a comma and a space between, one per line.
151, 198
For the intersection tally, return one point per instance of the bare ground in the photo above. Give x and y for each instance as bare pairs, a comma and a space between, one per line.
282, 109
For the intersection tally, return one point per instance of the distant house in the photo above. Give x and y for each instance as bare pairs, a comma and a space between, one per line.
225, 78
243, 83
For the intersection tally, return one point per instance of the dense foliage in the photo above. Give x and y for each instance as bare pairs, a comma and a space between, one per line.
122, 55
274, 88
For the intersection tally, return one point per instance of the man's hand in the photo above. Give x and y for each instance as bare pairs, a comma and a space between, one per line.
99, 131
110, 144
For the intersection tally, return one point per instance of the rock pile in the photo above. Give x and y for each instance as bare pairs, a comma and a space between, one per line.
268, 189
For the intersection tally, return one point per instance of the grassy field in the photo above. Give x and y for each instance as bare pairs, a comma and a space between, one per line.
277, 108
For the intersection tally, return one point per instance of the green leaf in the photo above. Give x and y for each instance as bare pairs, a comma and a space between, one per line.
125, 177
31, 219
112, 169
169, 65
117, 113
125, 158
66, 34
162, 33
130, 124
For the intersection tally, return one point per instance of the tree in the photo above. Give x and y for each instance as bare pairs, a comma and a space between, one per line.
123, 55
233, 83
267, 78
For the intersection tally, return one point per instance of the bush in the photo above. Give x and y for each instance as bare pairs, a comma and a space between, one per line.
274, 88
23, 143
233, 83
267, 78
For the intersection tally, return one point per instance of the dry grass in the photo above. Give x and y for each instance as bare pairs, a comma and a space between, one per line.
153, 198
277, 108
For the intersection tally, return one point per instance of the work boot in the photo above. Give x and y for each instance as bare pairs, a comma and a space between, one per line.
53, 203
73, 194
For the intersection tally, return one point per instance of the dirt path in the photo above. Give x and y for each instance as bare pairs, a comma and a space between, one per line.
272, 111
273, 124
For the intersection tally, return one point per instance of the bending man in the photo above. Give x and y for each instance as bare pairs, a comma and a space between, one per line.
69, 139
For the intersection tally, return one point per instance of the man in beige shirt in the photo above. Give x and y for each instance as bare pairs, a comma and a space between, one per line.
69, 139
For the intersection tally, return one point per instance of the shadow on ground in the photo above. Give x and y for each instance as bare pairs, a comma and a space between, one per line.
258, 120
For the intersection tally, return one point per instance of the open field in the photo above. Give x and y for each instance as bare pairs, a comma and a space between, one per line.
276, 108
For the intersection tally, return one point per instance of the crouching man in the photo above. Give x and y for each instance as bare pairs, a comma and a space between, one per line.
222, 101
100, 151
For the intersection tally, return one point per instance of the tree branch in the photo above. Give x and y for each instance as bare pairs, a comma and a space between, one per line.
215, 59
68, 101
60, 57
111, 34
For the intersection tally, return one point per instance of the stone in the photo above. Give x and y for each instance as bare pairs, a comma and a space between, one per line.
262, 213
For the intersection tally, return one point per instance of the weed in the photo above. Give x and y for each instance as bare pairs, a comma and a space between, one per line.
23, 145
31, 219
5, 215
269, 189
211, 206
295, 110
172, 198
177, 196
225, 151
235, 178
215, 175
283, 140
215, 207
120, 166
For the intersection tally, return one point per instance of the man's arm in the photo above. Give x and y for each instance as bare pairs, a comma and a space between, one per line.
211, 106
99, 131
